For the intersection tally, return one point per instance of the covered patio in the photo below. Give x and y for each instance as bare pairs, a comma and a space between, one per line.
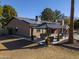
60, 33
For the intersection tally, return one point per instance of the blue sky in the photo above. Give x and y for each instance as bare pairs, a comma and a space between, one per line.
32, 8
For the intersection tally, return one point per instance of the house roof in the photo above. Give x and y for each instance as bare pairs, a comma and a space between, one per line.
32, 21
27, 20
38, 24
48, 25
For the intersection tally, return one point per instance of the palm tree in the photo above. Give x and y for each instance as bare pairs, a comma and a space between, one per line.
71, 22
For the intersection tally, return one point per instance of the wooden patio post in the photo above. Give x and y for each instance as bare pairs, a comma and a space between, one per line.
71, 23
48, 41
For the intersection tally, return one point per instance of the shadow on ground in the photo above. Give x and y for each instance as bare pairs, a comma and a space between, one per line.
6, 37
18, 44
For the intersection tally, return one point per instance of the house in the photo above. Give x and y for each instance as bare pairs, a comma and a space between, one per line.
22, 27
26, 27
16, 26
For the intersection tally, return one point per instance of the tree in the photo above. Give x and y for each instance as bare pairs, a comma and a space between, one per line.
6, 12
9, 11
47, 14
71, 22
57, 15
1, 10
50, 15
67, 20
76, 24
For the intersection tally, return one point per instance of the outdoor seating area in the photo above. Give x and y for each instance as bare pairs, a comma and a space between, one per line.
56, 38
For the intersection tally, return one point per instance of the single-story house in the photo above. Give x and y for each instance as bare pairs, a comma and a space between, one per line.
22, 27
26, 27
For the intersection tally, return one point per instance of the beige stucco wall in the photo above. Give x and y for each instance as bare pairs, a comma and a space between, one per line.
37, 33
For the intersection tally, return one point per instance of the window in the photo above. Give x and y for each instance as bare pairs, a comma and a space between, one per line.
16, 29
38, 30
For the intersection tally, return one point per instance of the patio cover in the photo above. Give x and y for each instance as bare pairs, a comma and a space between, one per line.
51, 26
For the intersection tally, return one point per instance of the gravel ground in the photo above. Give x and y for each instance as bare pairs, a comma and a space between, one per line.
53, 52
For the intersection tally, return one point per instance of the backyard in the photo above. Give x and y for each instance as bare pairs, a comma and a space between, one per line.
24, 49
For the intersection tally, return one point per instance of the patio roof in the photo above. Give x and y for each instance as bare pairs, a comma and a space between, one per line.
53, 25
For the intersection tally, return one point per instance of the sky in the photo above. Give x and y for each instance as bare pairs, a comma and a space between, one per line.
32, 8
